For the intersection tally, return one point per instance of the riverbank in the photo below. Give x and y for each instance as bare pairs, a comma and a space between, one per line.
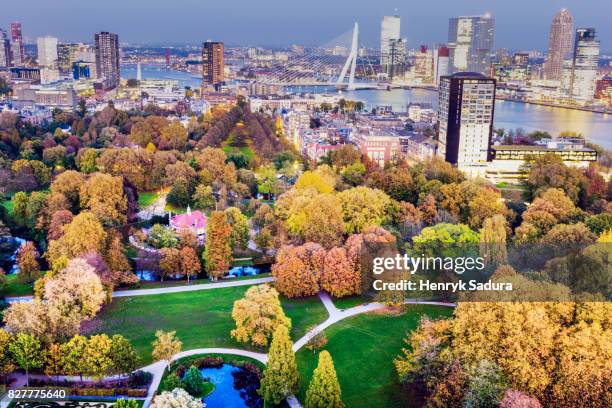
602, 111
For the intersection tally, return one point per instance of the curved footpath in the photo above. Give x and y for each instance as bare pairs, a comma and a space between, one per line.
335, 315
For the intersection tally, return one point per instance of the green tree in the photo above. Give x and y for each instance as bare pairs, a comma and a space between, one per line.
173, 381
72, 355
27, 352
123, 355
280, 377
162, 237
240, 227
123, 403
203, 198
6, 359
97, 357
194, 382
324, 388
493, 241
486, 386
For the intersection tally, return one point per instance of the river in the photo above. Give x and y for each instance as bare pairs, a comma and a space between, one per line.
596, 127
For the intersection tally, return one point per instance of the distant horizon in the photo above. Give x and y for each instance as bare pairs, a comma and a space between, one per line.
273, 24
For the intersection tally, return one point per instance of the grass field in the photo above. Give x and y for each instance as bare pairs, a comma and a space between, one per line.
16, 288
348, 302
145, 199
363, 348
200, 318
9, 206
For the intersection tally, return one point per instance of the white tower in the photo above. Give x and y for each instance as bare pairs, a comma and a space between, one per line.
138, 72
350, 61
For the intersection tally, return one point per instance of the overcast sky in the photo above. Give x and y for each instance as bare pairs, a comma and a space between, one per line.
520, 24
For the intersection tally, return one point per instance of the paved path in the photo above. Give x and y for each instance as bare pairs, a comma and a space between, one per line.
156, 208
173, 289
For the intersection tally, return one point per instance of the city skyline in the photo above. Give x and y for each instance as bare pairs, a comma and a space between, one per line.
241, 24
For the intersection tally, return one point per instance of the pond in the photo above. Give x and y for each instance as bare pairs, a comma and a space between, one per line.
8, 253
235, 387
234, 272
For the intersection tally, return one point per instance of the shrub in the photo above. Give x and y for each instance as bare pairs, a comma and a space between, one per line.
122, 403
140, 378
208, 362
194, 382
180, 371
172, 381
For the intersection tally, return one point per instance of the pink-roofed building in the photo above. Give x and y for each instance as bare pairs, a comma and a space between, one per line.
193, 221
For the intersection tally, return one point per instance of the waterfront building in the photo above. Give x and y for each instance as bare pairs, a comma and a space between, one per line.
17, 48
392, 47
107, 58
465, 120
559, 44
441, 61
5, 50
47, 59
48, 97
424, 65
584, 67
213, 64
470, 41
508, 161
603, 90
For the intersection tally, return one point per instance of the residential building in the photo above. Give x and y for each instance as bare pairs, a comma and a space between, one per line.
17, 48
107, 59
470, 41
213, 64
424, 65
49, 97
559, 44
603, 90
465, 120
381, 146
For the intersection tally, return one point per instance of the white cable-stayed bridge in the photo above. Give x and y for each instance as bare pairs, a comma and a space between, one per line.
334, 63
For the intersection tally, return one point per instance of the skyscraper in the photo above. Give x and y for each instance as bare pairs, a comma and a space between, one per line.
17, 39
66, 56
107, 58
5, 50
424, 65
584, 67
47, 59
559, 44
213, 64
470, 41
465, 121
392, 47
441, 58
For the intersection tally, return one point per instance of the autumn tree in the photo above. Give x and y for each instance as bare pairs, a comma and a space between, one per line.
165, 345
280, 377
174, 135
56, 224
102, 194
27, 352
317, 341
72, 355
29, 269
298, 270
85, 233
218, 249
97, 358
340, 277
324, 388
170, 263
239, 224
363, 207
118, 263
190, 264
6, 360
53, 360
321, 180
258, 315
493, 241
203, 198
69, 183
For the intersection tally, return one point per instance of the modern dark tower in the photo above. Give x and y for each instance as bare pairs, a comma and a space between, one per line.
470, 41
213, 64
107, 58
465, 121
17, 39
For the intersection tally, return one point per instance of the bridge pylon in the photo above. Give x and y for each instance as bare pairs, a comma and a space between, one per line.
351, 62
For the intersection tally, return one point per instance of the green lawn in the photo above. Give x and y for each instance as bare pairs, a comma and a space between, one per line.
183, 282
9, 206
304, 313
200, 318
145, 199
363, 348
348, 302
16, 288
246, 150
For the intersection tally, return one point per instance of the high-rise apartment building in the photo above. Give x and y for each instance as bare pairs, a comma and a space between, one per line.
465, 121
47, 59
5, 50
441, 61
17, 39
584, 67
559, 44
392, 46
213, 65
470, 41
66, 56
107, 58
